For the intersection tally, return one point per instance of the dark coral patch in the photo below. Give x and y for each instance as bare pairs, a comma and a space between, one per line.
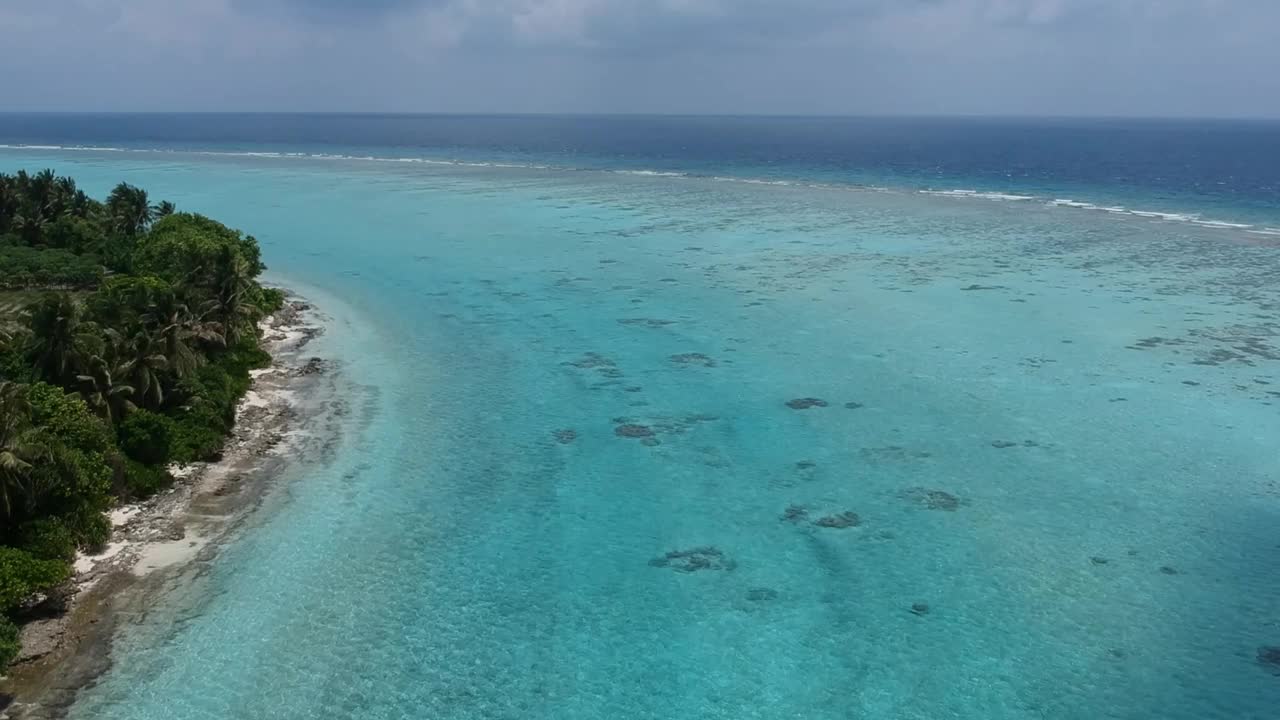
631, 430
693, 560
806, 403
893, 453
795, 513
1269, 658
693, 359
839, 521
646, 322
565, 436
933, 499
592, 360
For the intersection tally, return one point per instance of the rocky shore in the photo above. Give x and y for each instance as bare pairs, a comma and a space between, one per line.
156, 541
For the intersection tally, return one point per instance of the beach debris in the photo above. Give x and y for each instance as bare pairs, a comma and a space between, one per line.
762, 594
920, 609
1269, 658
693, 359
565, 436
795, 513
694, 559
631, 430
806, 403
839, 521
933, 499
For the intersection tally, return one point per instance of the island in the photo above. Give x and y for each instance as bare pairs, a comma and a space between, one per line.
128, 333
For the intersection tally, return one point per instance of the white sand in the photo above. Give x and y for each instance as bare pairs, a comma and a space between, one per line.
86, 563
122, 515
156, 555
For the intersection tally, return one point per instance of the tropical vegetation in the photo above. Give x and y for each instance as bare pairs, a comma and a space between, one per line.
130, 355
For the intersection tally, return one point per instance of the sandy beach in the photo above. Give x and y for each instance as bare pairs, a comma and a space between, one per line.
158, 543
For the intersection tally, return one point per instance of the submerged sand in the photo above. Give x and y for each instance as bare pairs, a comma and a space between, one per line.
156, 542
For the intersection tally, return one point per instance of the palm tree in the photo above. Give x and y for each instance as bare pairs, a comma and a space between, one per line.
231, 287
130, 210
175, 329
62, 197
20, 446
164, 209
141, 360
9, 201
108, 399
60, 340
30, 226
41, 190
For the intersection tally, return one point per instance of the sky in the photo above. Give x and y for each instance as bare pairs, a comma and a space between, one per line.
1202, 58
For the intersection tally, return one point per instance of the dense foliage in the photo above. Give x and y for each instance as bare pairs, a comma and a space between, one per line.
131, 357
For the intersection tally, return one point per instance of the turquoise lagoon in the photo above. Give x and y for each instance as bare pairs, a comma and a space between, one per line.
1057, 429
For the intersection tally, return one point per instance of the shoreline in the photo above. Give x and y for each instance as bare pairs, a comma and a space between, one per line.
155, 542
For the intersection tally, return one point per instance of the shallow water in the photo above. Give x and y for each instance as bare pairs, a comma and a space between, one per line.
1057, 430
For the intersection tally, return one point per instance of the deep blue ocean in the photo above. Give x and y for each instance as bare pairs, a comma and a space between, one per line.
677, 417
1229, 169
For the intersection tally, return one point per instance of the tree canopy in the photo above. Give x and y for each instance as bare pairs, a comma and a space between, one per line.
131, 357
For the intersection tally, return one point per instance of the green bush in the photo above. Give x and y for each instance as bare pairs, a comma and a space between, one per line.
146, 437
79, 235
14, 365
198, 433
23, 267
48, 539
9, 645
66, 416
23, 575
185, 245
75, 480
269, 300
143, 481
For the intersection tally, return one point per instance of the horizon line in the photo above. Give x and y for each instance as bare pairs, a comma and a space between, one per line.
816, 116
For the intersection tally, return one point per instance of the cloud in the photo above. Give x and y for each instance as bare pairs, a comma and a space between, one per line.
1207, 57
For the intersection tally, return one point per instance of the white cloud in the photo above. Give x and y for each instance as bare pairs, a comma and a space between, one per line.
1082, 56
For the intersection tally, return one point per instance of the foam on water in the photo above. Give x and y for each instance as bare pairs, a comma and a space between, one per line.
1194, 218
667, 447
